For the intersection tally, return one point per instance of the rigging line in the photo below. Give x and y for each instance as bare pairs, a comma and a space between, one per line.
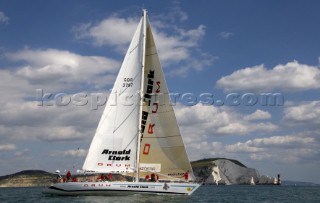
129, 143
134, 48
152, 54
115, 129
132, 140
164, 136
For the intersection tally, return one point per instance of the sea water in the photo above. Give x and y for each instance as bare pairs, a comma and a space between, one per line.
233, 193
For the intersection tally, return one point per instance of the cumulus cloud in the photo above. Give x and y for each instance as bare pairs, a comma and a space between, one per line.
3, 18
274, 141
110, 31
58, 66
292, 76
258, 115
304, 113
292, 148
211, 120
54, 71
201, 125
47, 123
180, 47
7, 147
300, 147
71, 152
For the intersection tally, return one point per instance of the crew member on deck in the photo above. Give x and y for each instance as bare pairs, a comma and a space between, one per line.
74, 179
153, 177
186, 176
147, 178
68, 175
110, 177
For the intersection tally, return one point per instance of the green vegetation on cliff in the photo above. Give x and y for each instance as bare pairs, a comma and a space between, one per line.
28, 178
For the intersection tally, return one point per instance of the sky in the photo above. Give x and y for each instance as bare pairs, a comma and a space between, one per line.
224, 55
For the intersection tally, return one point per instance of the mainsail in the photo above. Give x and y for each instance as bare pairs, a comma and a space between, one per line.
134, 132
114, 146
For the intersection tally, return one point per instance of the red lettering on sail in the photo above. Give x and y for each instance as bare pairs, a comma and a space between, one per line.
100, 164
155, 104
146, 149
158, 89
150, 129
109, 164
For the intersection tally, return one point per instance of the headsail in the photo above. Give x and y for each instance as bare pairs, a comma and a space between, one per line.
161, 149
114, 146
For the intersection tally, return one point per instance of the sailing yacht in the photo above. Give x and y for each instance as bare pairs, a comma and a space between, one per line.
138, 134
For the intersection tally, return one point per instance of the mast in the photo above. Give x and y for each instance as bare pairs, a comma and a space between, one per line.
141, 91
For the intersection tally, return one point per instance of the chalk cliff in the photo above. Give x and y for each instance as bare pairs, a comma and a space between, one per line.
227, 171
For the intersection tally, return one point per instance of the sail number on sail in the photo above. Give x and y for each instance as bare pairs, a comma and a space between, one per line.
127, 82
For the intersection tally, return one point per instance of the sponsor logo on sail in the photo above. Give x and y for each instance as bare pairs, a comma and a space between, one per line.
123, 155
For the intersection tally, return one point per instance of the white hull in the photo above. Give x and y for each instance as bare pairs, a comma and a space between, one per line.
121, 188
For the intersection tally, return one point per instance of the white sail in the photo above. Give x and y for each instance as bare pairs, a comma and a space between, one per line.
114, 146
161, 147
252, 181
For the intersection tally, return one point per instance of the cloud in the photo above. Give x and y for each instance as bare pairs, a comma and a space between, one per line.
216, 121
110, 31
225, 35
293, 148
53, 71
176, 46
7, 147
174, 14
52, 66
22, 153
242, 147
71, 152
204, 149
307, 113
3, 18
201, 125
258, 115
47, 123
301, 147
292, 76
